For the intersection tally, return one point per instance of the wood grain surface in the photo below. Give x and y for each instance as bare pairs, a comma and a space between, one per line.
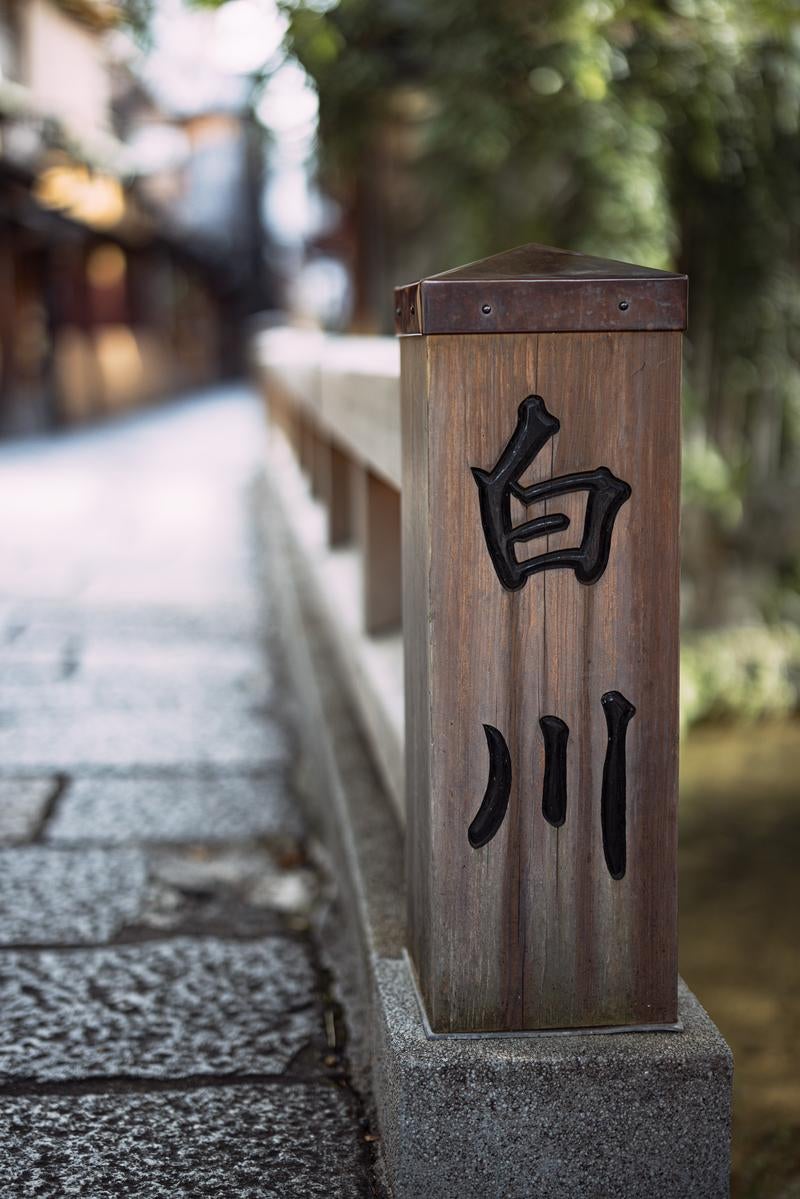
320, 465
376, 520
531, 931
340, 502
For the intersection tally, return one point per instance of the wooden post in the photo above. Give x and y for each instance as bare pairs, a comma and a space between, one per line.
541, 461
340, 506
376, 518
320, 465
306, 444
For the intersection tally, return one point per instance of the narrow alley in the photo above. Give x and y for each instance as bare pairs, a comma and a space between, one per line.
166, 1025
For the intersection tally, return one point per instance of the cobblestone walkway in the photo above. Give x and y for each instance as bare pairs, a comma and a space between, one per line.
164, 1023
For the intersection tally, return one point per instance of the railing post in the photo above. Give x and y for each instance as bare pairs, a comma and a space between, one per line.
320, 465
541, 444
305, 453
376, 516
340, 508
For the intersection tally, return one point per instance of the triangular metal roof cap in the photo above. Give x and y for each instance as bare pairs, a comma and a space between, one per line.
535, 288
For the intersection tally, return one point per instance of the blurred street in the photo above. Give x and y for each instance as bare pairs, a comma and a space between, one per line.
167, 1024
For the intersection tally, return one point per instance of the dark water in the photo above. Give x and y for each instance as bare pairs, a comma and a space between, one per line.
740, 932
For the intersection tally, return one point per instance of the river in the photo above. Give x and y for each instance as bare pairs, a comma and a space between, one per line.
739, 925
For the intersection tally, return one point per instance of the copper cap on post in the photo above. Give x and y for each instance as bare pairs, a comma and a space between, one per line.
538, 289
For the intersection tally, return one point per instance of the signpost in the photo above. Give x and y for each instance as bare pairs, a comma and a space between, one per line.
541, 441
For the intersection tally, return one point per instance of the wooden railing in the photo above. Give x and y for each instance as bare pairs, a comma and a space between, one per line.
335, 453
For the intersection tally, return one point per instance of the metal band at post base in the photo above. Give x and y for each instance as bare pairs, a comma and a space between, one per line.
604, 1030
537, 289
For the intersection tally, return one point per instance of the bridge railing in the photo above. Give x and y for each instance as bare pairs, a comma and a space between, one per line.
335, 445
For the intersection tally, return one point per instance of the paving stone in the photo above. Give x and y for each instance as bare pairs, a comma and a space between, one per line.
150, 581
228, 891
124, 689
183, 654
165, 1009
261, 878
200, 735
244, 1142
24, 639
62, 896
131, 659
118, 632
104, 645
30, 671
214, 912
23, 804
141, 682
194, 807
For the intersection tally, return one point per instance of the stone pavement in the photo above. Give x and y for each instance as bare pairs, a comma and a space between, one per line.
166, 1028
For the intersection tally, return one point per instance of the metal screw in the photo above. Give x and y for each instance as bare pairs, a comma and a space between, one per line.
623, 305
486, 309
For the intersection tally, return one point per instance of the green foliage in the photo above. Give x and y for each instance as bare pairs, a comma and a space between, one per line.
137, 15
586, 121
711, 482
746, 673
659, 131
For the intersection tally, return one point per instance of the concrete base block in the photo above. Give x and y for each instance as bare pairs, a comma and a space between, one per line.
634, 1114
639, 1115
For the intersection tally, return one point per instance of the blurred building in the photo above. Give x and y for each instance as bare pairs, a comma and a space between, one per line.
130, 243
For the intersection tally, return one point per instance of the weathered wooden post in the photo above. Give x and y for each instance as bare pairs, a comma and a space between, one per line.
541, 410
